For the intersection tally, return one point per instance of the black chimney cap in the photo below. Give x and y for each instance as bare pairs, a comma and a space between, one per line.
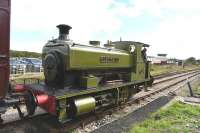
63, 28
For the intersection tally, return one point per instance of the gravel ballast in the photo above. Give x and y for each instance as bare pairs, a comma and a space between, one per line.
123, 124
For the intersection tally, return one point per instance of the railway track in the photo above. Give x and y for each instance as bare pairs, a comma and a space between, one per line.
142, 98
171, 77
42, 122
167, 74
139, 106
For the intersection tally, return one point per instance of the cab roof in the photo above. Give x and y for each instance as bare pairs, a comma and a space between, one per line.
131, 42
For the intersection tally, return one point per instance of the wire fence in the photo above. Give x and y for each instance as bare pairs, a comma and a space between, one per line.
23, 70
25, 65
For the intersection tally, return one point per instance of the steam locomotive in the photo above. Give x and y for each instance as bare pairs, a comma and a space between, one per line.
84, 78
81, 78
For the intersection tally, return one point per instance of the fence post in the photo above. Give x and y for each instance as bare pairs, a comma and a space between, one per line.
190, 89
145, 87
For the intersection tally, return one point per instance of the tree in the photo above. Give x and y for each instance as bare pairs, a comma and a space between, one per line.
198, 61
190, 60
14, 53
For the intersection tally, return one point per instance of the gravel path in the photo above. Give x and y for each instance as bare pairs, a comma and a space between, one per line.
123, 124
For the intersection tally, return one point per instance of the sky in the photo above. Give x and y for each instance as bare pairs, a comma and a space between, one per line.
168, 26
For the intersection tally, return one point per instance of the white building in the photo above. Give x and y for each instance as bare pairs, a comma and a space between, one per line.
160, 59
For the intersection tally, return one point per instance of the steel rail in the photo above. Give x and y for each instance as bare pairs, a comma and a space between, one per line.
81, 121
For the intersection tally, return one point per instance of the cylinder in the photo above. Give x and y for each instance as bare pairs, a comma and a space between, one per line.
84, 105
4, 46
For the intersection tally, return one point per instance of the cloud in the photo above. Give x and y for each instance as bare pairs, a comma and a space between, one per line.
178, 28
157, 8
178, 37
86, 17
33, 46
175, 34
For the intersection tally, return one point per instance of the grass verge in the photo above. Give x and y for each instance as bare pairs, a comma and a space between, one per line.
160, 69
196, 90
177, 118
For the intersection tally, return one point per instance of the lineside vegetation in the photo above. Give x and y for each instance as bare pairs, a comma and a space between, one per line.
177, 118
160, 69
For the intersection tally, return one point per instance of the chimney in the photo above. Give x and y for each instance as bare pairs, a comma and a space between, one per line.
63, 31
